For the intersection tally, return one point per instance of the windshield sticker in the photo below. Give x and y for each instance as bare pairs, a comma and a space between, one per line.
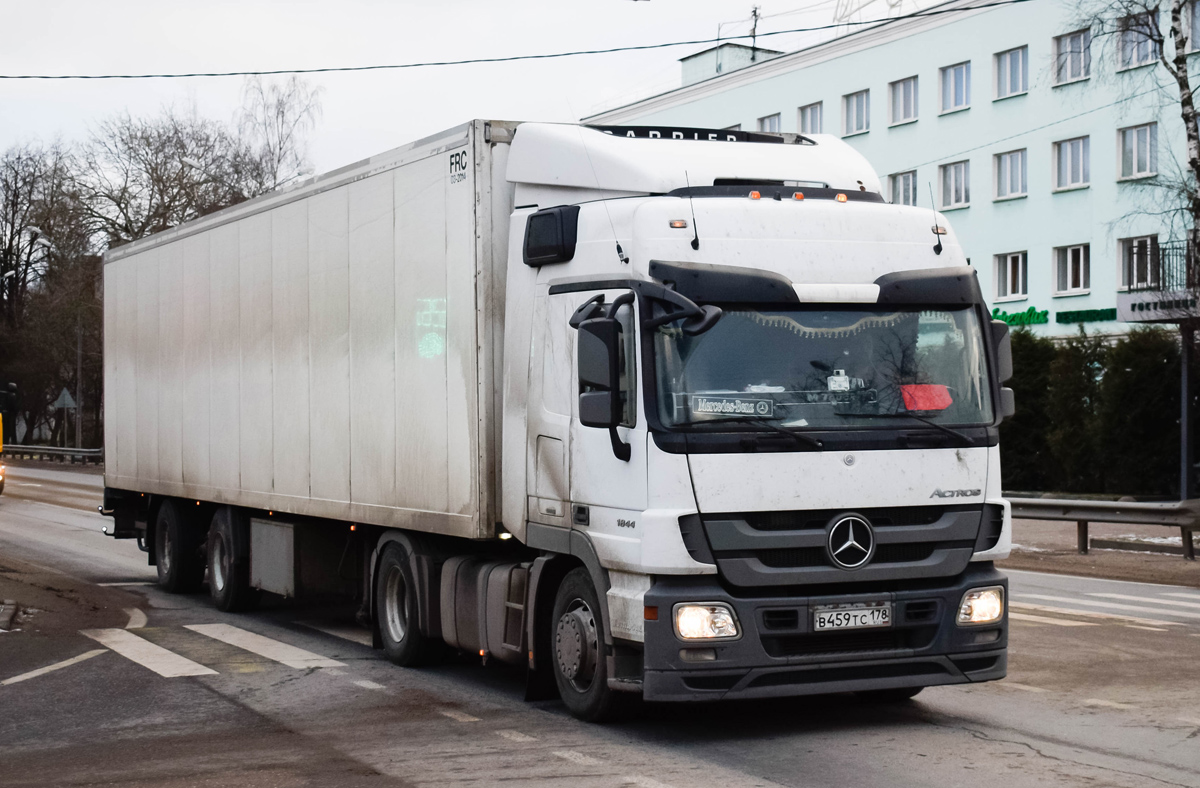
733, 406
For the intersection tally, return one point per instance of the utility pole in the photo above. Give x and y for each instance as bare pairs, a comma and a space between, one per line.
79, 381
754, 34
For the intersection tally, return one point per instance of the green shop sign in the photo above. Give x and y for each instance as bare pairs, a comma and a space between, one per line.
1031, 316
1087, 316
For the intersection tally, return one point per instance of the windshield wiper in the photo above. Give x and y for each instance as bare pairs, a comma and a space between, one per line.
816, 443
929, 422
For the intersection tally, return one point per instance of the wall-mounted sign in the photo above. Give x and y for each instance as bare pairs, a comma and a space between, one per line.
1156, 307
1087, 316
1031, 316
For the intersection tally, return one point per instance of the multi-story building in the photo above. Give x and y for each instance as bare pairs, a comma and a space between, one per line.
1050, 148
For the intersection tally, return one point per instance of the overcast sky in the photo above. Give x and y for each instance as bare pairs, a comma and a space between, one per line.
364, 113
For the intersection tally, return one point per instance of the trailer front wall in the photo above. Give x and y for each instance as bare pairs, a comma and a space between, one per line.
317, 356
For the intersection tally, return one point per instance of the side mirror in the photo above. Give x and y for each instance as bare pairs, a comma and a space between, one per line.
599, 372
1002, 343
1008, 403
550, 235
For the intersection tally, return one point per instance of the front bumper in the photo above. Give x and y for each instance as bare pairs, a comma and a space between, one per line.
778, 654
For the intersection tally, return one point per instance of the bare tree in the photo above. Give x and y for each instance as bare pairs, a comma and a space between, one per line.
272, 127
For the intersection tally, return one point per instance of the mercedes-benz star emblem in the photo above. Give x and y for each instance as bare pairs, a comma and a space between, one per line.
851, 542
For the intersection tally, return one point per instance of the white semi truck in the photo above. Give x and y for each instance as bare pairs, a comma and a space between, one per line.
664, 412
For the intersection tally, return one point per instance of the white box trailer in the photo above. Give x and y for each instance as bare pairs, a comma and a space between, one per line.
329, 350
686, 414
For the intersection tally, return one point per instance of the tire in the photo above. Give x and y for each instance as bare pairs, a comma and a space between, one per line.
229, 562
579, 656
177, 553
895, 695
396, 608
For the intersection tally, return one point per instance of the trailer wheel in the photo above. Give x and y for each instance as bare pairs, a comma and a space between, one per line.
177, 550
579, 655
396, 611
229, 563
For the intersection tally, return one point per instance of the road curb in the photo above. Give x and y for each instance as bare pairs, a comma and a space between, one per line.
8, 612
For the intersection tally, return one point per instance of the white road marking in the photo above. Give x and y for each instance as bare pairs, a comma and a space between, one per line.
1148, 629
265, 647
1113, 605
131, 583
1090, 614
1155, 600
27, 484
1184, 596
1062, 622
458, 716
576, 757
1109, 704
149, 655
1023, 687
137, 619
366, 684
352, 633
516, 736
66, 663
645, 782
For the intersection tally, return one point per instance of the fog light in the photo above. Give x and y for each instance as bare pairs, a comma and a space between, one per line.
705, 622
981, 606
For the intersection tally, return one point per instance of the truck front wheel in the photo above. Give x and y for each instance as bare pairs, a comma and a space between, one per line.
229, 563
177, 550
396, 611
579, 655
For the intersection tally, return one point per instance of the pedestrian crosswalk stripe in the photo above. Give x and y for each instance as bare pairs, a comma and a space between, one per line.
1155, 600
66, 663
1113, 605
265, 647
1016, 605
148, 655
1062, 622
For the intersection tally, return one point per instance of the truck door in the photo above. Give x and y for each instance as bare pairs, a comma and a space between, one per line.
608, 493
549, 409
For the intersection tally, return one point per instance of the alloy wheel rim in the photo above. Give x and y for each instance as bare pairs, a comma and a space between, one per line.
395, 597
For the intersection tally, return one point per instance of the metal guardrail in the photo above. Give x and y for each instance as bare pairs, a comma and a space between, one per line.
1184, 515
85, 456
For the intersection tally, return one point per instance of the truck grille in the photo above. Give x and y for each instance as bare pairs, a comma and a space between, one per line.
756, 549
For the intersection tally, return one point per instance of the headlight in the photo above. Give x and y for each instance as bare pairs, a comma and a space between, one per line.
705, 622
981, 606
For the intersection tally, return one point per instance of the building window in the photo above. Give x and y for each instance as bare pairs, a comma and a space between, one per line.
956, 87
1071, 165
1010, 175
904, 100
1012, 72
1073, 57
956, 184
857, 110
1139, 151
811, 121
1139, 39
769, 123
904, 188
1012, 281
1138, 258
1072, 269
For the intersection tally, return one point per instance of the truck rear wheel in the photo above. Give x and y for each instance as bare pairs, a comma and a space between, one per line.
396, 611
177, 553
580, 656
229, 563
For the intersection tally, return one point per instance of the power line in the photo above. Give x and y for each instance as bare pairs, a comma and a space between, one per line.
512, 58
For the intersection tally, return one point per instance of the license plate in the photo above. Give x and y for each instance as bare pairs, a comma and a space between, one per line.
856, 616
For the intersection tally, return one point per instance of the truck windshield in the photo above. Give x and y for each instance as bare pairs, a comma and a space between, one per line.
825, 367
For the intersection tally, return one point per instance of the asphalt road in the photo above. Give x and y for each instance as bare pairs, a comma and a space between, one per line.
1101, 691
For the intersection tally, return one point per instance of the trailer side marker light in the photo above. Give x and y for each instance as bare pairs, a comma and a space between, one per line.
798, 196
939, 230
841, 198
755, 196
353, 527
678, 224
650, 613
483, 652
